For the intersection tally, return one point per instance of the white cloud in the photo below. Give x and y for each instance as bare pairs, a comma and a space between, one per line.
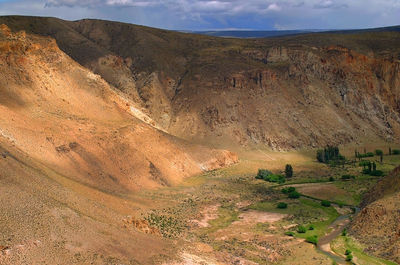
274, 7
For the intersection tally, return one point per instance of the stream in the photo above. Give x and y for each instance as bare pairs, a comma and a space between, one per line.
337, 227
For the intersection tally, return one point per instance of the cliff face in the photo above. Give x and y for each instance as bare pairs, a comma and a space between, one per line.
302, 97
377, 224
283, 93
69, 119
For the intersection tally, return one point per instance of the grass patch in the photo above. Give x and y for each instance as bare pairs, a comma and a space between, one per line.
343, 245
305, 212
329, 215
226, 216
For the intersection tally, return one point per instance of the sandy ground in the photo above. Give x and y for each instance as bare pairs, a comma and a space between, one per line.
208, 213
252, 217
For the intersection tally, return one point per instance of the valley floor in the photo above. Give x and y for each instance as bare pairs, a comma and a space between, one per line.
229, 217
221, 217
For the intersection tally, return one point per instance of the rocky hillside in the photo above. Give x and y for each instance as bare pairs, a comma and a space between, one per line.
377, 224
64, 116
74, 154
284, 93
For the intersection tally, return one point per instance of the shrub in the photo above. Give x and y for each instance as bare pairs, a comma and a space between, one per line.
376, 173
269, 176
364, 163
288, 190
344, 232
396, 152
366, 171
294, 195
288, 171
378, 152
263, 173
326, 203
282, 205
311, 227
347, 177
312, 240
301, 229
349, 257
331, 179
275, 178
348, 252
369, 154
289, 233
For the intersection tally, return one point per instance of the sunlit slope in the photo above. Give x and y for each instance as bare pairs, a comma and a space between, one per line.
63, 115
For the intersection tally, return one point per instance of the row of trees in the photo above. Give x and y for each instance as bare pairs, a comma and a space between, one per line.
329, 154
369, 168
378, 152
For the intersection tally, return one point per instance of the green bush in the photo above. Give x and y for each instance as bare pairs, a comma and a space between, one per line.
282, 205
294, 195
349, 257
366, 171
369, 154
311, 227
289, 233
263, 173
301, 229
312, 240
376, 173
348, 252
269, 176
331, 179
276, 178
347, 177
378, 152
396, 152
326, 203
364, 163
344, 232
288, 190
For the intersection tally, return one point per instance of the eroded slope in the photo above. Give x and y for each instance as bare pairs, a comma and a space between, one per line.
284, 93
65, 116
377, 224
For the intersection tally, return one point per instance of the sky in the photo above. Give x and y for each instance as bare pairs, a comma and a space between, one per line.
219, 14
